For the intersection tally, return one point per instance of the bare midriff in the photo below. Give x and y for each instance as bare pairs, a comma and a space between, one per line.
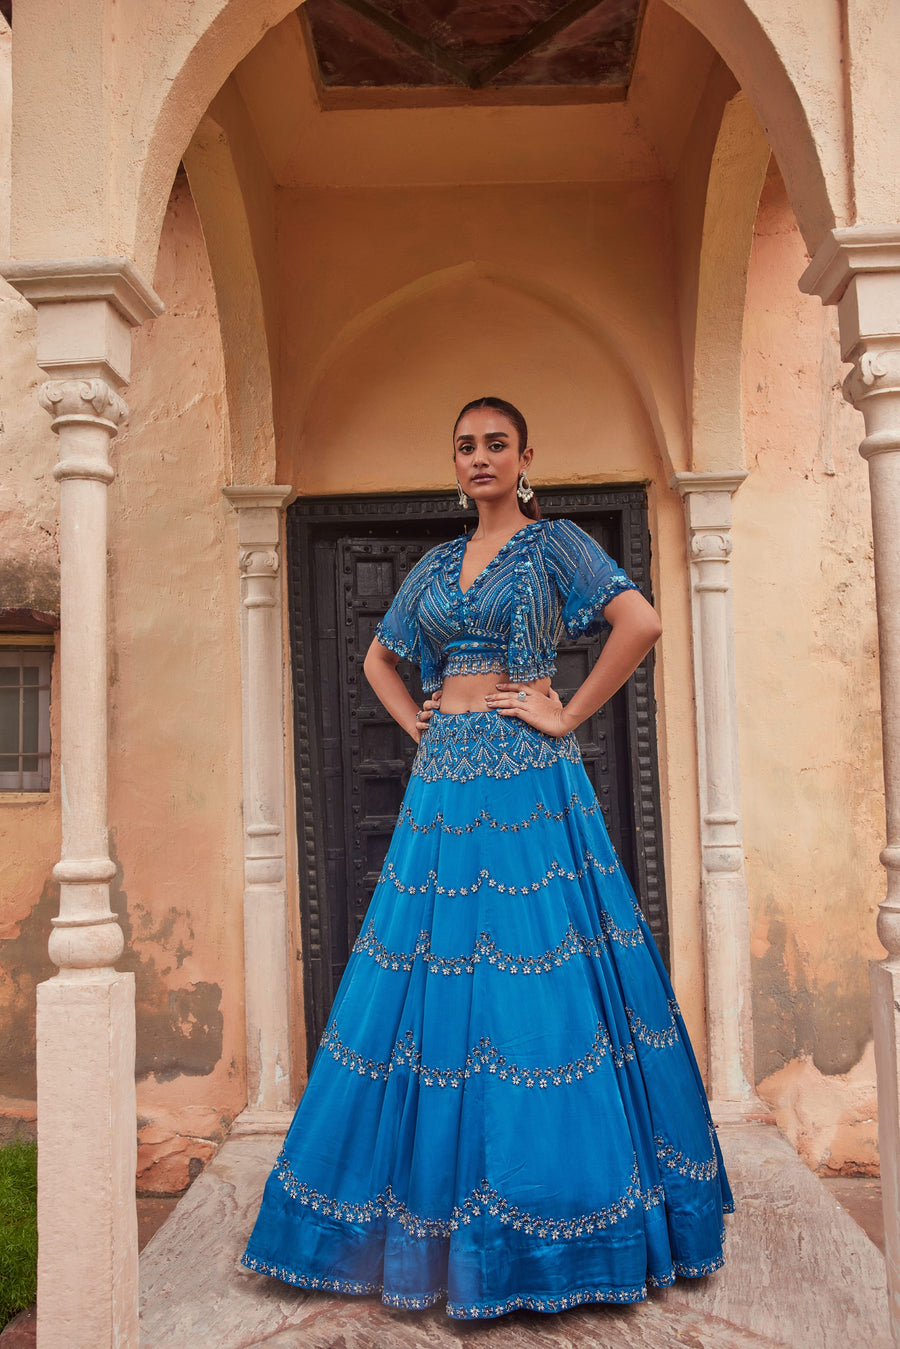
467, 692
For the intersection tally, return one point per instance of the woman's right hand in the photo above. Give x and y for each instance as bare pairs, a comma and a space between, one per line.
423, 716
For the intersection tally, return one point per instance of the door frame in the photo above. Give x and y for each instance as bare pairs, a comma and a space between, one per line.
629, 500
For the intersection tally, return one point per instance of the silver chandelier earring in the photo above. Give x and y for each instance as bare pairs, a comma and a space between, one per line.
463, 499
524, 491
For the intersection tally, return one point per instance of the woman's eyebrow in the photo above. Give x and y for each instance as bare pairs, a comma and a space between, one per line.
491, 435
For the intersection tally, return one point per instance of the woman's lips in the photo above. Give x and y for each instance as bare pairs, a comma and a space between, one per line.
483, 477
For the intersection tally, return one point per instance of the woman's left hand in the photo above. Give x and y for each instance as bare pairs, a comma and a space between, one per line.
543, 711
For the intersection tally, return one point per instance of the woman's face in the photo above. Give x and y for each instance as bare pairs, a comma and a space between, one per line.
486, 455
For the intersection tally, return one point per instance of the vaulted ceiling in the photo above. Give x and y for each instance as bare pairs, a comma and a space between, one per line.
464, 44
315, 122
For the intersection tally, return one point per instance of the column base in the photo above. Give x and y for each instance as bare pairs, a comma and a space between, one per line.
749, 1111
260, 1122
884, 983
87, 1159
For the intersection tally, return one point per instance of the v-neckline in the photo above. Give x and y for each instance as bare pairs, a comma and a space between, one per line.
486, 568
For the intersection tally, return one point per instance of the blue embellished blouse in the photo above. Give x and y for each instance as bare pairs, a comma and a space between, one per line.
548, 581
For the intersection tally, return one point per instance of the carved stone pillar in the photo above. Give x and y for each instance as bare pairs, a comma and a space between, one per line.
87, 1148
707, 500
266, 927
858, 269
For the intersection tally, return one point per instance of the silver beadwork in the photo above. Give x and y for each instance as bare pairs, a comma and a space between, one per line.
524, 491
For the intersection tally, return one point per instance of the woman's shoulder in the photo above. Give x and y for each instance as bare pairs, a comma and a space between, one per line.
561, 533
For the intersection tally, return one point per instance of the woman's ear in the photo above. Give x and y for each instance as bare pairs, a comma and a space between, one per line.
526, 457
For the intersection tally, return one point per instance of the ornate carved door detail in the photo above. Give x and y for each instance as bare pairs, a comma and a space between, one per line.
346, 560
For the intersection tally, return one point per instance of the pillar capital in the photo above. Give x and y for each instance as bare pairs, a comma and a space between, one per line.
721, 483
259, 514
86, 308
857, 268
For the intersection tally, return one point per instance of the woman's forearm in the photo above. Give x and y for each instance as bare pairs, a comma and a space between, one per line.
380, 668
635, 629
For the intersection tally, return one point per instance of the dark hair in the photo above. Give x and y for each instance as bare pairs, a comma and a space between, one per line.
531, 509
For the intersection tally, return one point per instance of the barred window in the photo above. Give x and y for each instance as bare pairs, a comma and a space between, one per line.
24, 719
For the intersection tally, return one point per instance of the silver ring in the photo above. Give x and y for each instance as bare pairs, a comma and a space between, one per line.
521, 695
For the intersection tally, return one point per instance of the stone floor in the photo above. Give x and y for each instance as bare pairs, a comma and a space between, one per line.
861, 1197
800, 1272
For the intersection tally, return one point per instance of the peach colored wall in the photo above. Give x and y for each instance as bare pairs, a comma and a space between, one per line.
595, 257
174, 719
29, 578
809, 708
175, 782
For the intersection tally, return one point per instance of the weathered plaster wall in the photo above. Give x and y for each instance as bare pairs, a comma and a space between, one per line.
29, 578
174, 773
175, 721
808, 691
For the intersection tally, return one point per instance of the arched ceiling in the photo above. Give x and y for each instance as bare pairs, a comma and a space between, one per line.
597, 123
584, 45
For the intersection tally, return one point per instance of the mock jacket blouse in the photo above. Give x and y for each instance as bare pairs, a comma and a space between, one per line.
548, 581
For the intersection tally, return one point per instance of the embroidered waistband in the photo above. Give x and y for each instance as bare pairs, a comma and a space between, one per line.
469, 646
460, 746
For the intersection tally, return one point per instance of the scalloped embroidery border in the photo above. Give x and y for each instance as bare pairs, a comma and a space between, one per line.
484, 1199
540, 811
556, 871
572, 944
483, 1058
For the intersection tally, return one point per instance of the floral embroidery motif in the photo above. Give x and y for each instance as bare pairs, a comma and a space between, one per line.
540, 812
483, 1057
484, 1200
685, 1166
484, 876
658, 1039
586, 616
573, 943
625, 936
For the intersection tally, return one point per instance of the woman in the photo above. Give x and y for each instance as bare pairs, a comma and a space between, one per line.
505, 1108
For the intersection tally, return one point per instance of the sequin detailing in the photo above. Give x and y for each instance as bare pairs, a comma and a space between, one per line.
459, 747
484, 1200
676, 1160
483, 1310
573, 943
486, 821
585, 617
484, 1057
556, 871
549, 580
657, 1039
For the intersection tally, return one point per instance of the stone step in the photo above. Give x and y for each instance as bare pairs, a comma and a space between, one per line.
799, 1272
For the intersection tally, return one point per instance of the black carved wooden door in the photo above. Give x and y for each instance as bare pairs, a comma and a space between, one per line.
346, 561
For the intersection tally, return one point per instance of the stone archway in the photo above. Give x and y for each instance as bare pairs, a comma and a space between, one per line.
84, 238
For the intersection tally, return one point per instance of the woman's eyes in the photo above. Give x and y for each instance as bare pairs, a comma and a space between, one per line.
492, 445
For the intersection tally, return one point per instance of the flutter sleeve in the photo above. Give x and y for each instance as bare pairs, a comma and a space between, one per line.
399, 630
586, 576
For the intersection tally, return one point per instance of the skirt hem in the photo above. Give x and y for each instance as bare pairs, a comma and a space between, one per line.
485, 1310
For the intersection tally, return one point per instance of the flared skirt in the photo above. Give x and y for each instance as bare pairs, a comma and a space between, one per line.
505, 1109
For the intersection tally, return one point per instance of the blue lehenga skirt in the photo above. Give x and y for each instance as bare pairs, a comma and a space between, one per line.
505, 1109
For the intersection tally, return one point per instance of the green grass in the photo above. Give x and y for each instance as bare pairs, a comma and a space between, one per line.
18, 1228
